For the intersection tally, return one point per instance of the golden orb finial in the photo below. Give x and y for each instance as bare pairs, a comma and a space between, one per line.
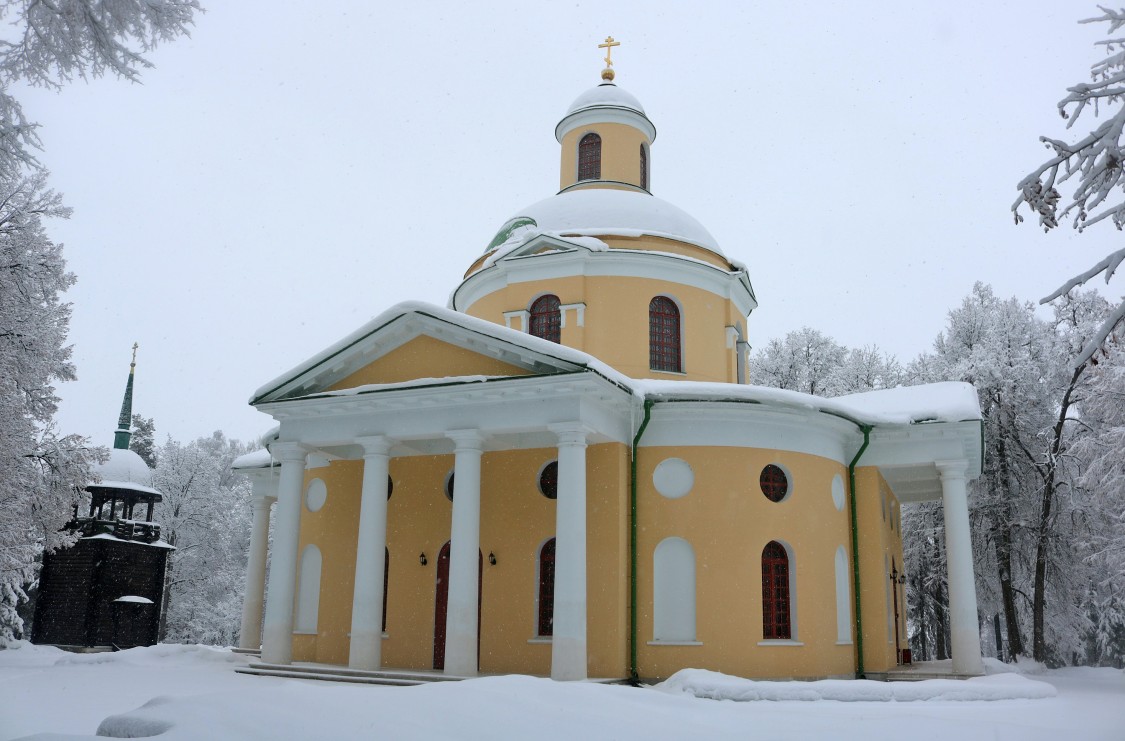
607, 73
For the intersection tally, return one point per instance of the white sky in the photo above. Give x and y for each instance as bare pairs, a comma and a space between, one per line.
295, 168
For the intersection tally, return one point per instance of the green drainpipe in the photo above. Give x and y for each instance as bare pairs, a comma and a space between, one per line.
855, 552
633, 544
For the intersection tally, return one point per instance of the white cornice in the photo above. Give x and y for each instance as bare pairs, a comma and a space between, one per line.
597, 114
510, 412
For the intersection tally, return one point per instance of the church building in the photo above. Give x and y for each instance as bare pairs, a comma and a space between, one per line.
566, 471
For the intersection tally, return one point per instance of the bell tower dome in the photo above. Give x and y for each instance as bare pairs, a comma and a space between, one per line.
605, 137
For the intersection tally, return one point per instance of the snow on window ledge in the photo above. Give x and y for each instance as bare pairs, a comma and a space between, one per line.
844, 643
780, 642
305, 633
675, 643
540, 639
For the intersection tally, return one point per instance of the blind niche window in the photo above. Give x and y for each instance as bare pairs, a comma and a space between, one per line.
546, 318
590, 157
664, 335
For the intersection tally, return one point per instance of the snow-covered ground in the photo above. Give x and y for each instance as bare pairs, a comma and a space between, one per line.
192, 692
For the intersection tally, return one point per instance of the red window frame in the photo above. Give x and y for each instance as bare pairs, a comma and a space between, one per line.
664, 335
547, 588
546, 318
774, 483
549, 480
775, 592
590, 157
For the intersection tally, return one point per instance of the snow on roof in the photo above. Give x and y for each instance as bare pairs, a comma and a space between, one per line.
597, 212
257, 459
126, 485
134, 599
125, 466
368, 388
934, 402
606, 94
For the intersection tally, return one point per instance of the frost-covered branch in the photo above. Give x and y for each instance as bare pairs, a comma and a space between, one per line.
1096, 163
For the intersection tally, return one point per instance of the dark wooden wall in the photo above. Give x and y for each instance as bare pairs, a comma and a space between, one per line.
78, 586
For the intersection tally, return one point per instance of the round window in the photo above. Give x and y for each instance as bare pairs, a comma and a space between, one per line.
673, 478
390, 486
316, 495
449, 486
549, 480
774, 483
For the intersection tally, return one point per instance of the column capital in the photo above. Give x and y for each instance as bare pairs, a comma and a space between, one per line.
262, 502
466, 439
570, 433
954, 469
374, 444
289, 451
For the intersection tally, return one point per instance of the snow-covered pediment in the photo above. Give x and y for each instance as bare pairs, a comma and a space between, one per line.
419, 342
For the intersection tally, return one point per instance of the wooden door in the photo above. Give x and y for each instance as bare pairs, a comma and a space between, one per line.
441, 604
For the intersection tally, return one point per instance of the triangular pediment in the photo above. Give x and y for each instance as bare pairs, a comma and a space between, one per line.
414, 342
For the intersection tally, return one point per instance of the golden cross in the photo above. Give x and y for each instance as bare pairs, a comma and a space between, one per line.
608, 46
135, 346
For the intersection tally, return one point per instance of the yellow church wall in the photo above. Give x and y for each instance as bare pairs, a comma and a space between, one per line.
616, 322
878, 514
426, 357
340, 514
516, 519
621, 154
728, 521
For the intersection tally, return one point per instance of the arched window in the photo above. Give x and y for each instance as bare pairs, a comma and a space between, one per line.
775, 592
546, 318
547, 588
664, 335
673, 591
644, 167
308, 590
590, 157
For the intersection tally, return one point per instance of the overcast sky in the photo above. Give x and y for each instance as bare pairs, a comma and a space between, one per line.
295, 168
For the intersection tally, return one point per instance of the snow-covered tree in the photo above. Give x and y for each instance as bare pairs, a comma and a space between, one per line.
143, 440
40, 472
52, 43
47, 44
809, 361
1094, 166
206, 515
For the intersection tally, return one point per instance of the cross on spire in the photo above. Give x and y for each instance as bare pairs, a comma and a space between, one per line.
607, 73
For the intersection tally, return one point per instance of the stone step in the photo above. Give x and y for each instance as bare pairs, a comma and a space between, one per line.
384, 681
344, 674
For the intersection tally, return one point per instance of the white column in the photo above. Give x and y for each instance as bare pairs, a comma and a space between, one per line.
250, 636
277, 639
461, 628
568, 642
366, 649
964, 632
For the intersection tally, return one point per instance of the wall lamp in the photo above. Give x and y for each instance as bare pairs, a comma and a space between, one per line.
491, 558
422, 558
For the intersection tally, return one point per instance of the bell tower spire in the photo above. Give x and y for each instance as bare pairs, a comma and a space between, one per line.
125, 420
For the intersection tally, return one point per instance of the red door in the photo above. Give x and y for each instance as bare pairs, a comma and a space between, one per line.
441, 604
